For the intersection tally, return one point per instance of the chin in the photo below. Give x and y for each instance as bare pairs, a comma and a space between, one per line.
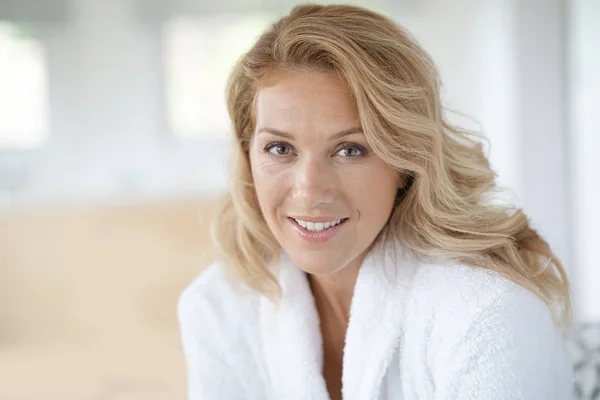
317, 262
320, 270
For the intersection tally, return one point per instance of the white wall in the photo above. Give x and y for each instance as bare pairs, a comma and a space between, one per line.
584, 146
541, 101
108, 140
472, 43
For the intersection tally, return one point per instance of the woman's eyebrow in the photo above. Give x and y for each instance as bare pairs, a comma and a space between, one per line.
287, 135
275, 132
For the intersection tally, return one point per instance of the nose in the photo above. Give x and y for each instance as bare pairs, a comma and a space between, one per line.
315, 182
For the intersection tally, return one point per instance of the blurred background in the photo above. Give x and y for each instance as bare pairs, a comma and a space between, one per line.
114, 144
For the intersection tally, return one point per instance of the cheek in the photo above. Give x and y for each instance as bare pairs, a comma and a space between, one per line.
372, 189
269, 184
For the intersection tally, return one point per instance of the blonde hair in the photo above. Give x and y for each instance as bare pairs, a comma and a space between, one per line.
443, 214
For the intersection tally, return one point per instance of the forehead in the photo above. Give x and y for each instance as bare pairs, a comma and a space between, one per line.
305, 98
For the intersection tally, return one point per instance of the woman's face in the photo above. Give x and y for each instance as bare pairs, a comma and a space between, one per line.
323, 192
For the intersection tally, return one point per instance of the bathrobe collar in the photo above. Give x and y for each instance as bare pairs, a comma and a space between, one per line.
292, 338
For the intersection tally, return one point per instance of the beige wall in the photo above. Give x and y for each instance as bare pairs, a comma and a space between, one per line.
88, 299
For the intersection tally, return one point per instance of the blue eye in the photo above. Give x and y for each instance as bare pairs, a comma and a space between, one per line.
278, 149
352, 151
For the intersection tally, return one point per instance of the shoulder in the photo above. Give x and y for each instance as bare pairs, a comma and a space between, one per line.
483, 331
209, 286
465, 293
217, 323
214, 307
451, 302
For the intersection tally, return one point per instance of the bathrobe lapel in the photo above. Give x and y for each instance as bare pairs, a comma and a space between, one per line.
292, 339
375, 327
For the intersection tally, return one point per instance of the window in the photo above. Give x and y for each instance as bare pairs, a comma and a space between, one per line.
23, 89
199, 55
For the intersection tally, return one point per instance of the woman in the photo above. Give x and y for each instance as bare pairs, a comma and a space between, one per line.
359, 254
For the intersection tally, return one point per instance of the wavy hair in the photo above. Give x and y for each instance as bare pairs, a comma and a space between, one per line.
444, 213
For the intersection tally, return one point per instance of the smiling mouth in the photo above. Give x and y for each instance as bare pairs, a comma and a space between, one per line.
318, 226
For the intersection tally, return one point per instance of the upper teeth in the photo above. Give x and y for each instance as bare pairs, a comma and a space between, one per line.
317, 226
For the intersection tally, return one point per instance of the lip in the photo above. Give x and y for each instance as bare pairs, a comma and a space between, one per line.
316, 219
316, 237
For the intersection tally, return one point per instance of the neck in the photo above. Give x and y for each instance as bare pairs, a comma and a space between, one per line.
333, 293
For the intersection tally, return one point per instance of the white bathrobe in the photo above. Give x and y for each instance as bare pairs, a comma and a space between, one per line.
416, 331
